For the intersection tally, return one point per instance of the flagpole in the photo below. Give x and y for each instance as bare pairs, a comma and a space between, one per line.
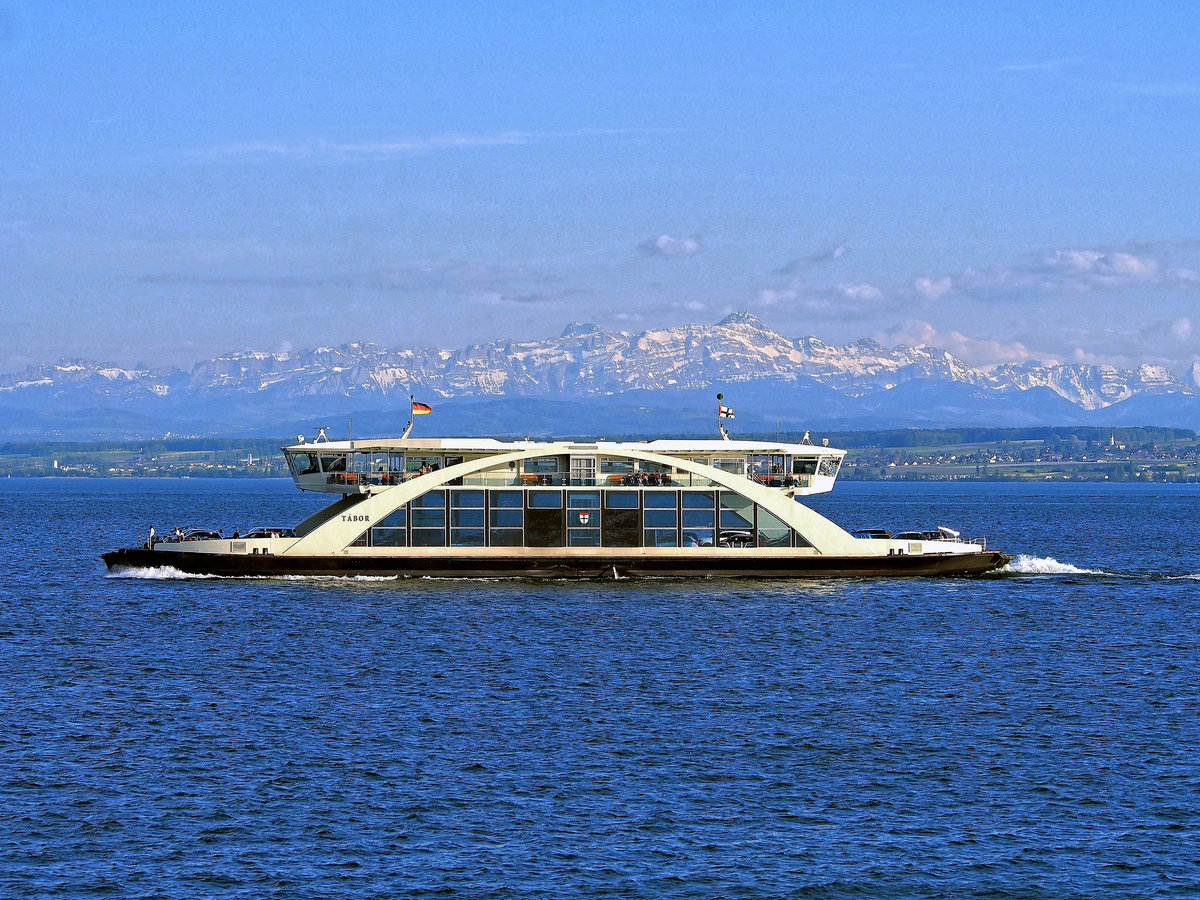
411, 417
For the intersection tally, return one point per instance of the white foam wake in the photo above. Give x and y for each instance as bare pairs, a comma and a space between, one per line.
168, 573
1046, 565
153, 573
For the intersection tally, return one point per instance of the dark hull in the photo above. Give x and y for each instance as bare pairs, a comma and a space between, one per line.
565, 566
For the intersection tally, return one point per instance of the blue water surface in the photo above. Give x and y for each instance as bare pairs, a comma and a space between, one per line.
1032, 734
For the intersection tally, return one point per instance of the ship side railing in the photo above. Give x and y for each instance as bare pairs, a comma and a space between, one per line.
352, 480
881, 534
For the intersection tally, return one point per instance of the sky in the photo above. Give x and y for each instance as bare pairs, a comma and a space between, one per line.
1010, 182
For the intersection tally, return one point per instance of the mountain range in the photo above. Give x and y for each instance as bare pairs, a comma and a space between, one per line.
587, 381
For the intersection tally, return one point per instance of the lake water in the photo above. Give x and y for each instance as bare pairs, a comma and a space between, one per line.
1032, 734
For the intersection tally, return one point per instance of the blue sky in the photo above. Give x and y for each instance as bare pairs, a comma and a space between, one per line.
1008, 182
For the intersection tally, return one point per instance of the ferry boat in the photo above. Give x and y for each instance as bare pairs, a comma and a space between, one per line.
446, 507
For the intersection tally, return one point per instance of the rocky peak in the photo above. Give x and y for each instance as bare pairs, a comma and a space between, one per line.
576, 329
742, 317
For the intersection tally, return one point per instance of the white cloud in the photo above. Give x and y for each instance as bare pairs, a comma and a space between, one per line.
860, 293
337, 150
1050, 65
667, 245
980, 352
1166, 342
1102, 269
933, 288
806, 262
776, 296
1058, 272
1183, 277
845, 302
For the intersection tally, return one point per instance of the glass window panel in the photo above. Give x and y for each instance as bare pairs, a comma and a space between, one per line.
659, 500
388, 537
333, 463
505, 537
541, 464
697, 537
473, 499
769, 519
507, 499
466, 537
734, 500
611, 465
768, 537
732, 518
772, 531
829, 466
804, 465
736, 511
413, 463
583, 537
507, 518
661, 537
430, 500
697, 499
697, 518
583, 517
545, 499
466, 518
583, 499
303, 463
660, 518
428, 537
621, 499
428, 518
395, 519
737, 466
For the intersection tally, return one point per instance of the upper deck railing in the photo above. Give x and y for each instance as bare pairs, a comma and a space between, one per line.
321, 467
355, 480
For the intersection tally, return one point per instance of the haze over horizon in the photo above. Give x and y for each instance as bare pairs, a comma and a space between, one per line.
1005, 183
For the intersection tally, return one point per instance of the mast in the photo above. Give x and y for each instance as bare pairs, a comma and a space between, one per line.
723, 412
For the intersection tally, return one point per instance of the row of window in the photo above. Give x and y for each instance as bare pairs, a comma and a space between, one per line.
761, 465
580, 518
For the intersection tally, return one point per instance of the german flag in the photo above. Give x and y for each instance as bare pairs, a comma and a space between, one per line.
421, 409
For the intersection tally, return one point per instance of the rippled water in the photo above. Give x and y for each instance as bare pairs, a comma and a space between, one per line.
1032, 734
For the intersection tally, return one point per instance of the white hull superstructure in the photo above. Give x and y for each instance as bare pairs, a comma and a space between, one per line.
482, 507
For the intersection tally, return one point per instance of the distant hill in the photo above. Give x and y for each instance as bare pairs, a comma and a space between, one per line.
586, 381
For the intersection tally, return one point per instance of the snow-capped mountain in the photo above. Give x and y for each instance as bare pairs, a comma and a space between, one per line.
862, 384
